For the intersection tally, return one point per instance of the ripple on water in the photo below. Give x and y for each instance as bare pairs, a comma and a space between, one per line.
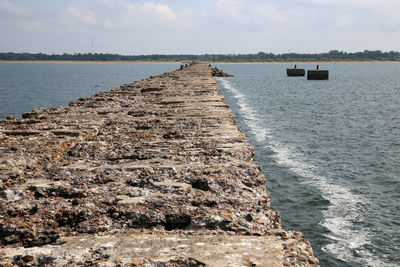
319, 140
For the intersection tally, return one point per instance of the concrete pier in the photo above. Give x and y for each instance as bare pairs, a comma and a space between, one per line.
153, 173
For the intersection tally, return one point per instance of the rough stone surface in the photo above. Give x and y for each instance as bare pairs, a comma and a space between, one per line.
142, 175
219, 73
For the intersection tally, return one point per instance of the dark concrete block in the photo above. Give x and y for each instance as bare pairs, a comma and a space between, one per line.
318, 75
295, 72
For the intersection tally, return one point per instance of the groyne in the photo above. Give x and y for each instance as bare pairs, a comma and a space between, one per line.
153, 173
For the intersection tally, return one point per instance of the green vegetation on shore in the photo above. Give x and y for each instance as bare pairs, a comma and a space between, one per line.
333, 55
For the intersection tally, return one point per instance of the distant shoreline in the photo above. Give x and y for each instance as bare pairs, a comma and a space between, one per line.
180, 62
306, 62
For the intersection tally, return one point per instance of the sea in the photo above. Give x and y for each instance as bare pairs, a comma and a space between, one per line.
330, 150
25, 86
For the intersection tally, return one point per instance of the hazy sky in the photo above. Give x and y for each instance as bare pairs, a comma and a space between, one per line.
198, 26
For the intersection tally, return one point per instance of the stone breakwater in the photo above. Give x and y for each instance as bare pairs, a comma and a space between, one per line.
154, 173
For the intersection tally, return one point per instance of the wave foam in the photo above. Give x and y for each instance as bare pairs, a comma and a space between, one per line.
252, 120
343, 209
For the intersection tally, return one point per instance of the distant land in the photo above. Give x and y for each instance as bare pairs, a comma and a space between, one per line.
333, 55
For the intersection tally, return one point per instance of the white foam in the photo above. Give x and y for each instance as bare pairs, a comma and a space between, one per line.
252, 120
343, 208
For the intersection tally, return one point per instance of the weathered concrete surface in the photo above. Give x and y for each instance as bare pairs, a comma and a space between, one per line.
139, 171
153, 248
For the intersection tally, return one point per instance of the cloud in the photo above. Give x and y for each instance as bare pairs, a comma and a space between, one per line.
33, 25
145, 15
354, 15
122, 15
233, 10
149, 17
182, 26
14, 18
109, 24
344, 21
250, 16
160, 12
9, 8
80, 13
318, 2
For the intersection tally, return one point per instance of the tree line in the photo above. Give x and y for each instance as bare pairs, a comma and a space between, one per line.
333, 55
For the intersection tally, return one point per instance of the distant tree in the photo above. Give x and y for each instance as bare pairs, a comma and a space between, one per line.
333, 55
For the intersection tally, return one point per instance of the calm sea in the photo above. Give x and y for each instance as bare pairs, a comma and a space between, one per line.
25, 86
330, 150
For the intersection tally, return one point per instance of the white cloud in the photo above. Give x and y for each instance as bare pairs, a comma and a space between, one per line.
182, 26
250, 16
120, 15
81, 13
320, 2
358, 3
9, 8
109, 24
391, 14
270, 12
344, 21
148, 17
160, 12
33, 25
232, 10
354, 15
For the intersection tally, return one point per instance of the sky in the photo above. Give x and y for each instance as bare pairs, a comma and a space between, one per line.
135, 27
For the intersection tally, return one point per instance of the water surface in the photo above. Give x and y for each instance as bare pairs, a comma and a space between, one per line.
25, 86
330, 151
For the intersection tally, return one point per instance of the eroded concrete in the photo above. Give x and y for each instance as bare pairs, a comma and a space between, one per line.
160, 161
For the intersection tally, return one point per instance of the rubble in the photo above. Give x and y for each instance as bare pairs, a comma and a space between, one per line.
158, 159
219, 73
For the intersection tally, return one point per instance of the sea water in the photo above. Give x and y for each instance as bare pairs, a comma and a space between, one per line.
330, 151
25, 86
